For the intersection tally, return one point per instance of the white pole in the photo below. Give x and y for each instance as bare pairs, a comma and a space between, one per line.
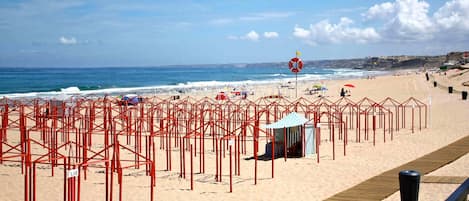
296, 85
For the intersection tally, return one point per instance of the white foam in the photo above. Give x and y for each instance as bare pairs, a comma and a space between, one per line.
70, 90
278, 75
195, 86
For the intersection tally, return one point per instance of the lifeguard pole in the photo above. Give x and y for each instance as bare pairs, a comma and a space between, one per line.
297, 53
295, 64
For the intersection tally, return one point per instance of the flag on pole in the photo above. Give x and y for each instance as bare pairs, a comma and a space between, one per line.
298, 53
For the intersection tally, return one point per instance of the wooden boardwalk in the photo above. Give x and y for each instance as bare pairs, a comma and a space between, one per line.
387, 183
442, 179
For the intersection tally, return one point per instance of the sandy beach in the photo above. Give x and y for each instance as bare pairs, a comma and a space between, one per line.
296, 178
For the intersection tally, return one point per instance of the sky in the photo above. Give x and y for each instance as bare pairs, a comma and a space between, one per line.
76, 33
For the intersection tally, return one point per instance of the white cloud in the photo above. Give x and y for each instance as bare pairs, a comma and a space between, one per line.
252, 36
301, 33
453, 15
324, 32
271, 34
403, 19
410, 20
380, 11
68, 41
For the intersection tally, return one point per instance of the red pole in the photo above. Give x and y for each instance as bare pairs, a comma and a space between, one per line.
413, 118
200, 153
374, 129
79, 182
192, 171
239, 156
346, 127
202, 141
119, 175
384, 127
26, 177
216, 159
303, 140
318, 138
169, 148
220, 160
107, 179
152, 180
366, 125
345, 136
154, 160
333, 143
180, 157
358, 125
273, 153
255, 159
420, 119
231, 173
112, 178
391, 127
65, 178
235, 154
285, 143
34, 182
183, 148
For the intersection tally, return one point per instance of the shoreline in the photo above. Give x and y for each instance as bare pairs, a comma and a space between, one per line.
191, 87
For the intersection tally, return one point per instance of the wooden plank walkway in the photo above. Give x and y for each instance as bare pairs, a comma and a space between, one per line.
442, 179
387, 183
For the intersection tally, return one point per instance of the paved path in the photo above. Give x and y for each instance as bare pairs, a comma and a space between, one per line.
387, 183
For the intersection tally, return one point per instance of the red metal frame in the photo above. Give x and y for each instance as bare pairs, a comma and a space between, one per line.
68, 133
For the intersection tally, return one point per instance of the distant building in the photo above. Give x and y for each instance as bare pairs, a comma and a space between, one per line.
456, 58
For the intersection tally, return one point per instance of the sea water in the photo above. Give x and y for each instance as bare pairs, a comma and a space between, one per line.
18, 82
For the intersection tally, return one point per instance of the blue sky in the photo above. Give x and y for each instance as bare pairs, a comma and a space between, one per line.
79, 33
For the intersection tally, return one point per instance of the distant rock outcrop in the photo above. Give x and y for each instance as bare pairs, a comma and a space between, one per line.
403, 62
457, 58
374, 63
381, 63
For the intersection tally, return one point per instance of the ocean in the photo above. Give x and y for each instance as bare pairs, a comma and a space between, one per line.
19, 82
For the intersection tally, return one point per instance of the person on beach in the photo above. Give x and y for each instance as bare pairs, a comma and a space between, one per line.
342, 92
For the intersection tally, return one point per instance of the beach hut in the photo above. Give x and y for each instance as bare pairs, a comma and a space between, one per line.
293, 137
56, 108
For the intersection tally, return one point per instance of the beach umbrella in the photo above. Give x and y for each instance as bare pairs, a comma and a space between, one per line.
221, 96
318, 86
349, 85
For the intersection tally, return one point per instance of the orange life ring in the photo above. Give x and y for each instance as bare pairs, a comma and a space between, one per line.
295, 65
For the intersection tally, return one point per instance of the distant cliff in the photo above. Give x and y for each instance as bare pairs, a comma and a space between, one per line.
372, 63
382, 63
369, 63
403, 62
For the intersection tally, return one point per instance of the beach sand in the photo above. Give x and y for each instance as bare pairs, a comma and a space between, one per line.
296, 178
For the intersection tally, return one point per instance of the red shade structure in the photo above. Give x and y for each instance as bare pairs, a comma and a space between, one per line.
104, 134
